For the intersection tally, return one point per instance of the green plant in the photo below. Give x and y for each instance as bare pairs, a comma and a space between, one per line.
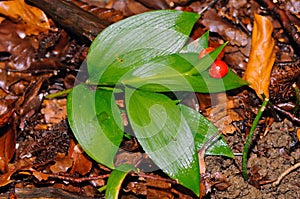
146, 58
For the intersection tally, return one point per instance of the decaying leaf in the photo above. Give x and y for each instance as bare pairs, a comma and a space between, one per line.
23, 164
81, 164
215, 23
62, 163
54, 110
7, 146
262, 56
33, 19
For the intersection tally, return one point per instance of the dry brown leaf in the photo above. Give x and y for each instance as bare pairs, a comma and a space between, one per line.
5, 179
33, 19
7, 146
2, 19
262, 56
39, 175
62, 163
81, 164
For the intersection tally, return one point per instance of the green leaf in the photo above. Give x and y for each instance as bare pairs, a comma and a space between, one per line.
115, 180
206, 84
96, 122
164, 135
125, 63
203, 129
197, 45
164, 30
206, 61
172, 73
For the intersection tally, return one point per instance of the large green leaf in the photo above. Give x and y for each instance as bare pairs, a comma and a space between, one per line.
203, 129
197, 45
172, 73
115, 180
126, 63
96, 122
164, 30
164, 135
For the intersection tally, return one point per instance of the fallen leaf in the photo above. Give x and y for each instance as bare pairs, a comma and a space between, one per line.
215, 23
7, 146
62, 163
33, 19
5, 179
54, 110
39, 175
20, 52
81, 164
298, 134
262, 56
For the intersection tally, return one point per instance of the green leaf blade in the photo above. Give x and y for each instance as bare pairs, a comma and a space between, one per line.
171, 73
96, 124
197, 45
165, 30
164, 135
203, 129
116, 179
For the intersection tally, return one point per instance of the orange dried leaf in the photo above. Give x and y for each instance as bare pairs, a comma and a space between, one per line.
262, 56
7, 147
39, 175
82, 164
34, 19
298, 134
62, 163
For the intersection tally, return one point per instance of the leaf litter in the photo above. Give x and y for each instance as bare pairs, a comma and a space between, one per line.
38, 147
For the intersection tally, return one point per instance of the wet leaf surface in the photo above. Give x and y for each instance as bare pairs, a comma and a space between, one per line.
41, 130
33, 20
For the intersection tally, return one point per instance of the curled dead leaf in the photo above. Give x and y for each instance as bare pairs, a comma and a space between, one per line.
62, 163
81, 164
33, 19
7, 146
262, 56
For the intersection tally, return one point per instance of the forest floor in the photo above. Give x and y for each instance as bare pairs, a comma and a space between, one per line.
40, 157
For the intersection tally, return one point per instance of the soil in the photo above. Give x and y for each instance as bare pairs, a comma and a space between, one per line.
271, 155
49, 163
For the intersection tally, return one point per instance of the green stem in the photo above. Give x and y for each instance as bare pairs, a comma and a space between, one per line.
248, 142
297, 98
101, 189
58, 94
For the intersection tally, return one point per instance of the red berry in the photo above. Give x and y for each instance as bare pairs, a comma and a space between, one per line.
208, 50
218, 69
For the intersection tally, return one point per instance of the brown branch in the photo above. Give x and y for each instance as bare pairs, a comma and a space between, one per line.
83, 24
78, 180
153, 177
286, 172
288, 114
283, 17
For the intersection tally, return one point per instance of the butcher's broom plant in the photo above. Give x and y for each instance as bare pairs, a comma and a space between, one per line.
146, 59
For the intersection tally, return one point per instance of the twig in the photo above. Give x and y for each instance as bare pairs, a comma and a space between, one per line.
207, 7
248, 142
286, 172
201, 152
78, 180
58, 94
152, 177
288, 114
74, 19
